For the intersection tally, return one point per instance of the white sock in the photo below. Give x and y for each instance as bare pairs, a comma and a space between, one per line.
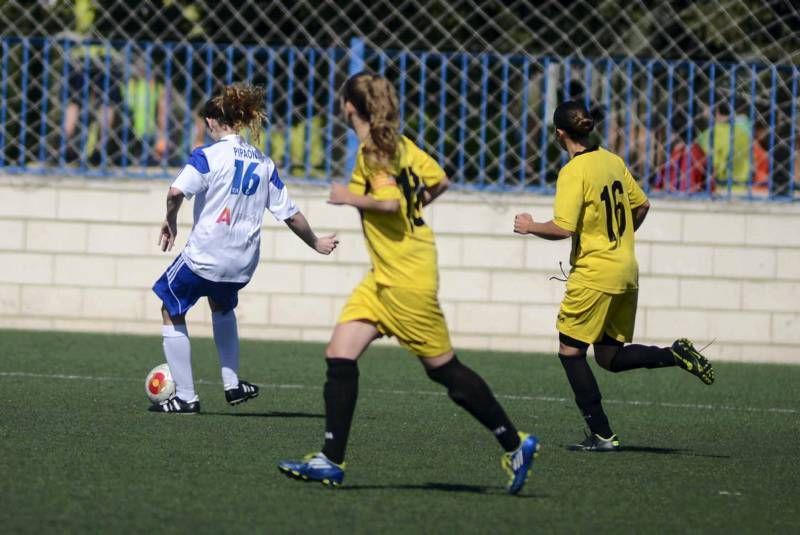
178, 351
226, 337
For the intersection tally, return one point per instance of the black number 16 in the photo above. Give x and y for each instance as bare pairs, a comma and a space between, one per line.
615, 210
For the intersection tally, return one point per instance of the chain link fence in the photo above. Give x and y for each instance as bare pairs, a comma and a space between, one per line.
699, 98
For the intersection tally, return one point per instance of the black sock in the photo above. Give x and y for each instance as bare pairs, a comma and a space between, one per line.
636, 356
470, 391
587, 394
340, 393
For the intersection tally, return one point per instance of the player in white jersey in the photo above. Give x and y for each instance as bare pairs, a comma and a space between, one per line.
233, 184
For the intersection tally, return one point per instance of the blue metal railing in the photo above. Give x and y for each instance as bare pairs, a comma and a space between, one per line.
686, 129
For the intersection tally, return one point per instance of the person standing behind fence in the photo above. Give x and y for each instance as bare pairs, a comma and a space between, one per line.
234, 183
599, 205
724, 152
392, 181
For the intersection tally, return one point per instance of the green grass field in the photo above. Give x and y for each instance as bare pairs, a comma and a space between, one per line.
79, 452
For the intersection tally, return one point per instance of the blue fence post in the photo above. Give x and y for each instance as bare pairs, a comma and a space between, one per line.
543, 131
188, 129
684, 178
668, 138
503, 120
712, 104
45, 93
442, 107
772, 119
23, 123
523, 129
752, 116
403, 59
732, 123
356, 66
287, 151
648, 125
462, 116
105, 125
331, 101
167, 89
312, 62
126, 119
423, 62
793, 134
3, 104
484, 100
628, 115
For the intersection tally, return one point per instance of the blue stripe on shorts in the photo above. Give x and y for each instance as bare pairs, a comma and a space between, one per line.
179, 288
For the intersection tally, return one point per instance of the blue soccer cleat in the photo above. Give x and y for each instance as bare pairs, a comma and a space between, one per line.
314, 467
518, 463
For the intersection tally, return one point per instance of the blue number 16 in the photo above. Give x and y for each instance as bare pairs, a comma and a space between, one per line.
251, 180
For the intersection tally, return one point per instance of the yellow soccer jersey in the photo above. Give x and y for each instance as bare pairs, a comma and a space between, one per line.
595, 194
401, 246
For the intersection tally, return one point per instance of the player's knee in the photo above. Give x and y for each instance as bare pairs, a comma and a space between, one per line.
605, 362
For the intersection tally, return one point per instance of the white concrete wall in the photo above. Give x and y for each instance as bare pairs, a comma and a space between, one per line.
82, 255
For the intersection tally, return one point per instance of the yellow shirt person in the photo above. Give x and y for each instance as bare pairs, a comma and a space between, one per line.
400, 244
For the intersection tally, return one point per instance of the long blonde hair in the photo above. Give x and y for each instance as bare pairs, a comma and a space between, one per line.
238, 106
375, 101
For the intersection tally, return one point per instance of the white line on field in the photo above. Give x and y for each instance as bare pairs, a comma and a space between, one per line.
552, 399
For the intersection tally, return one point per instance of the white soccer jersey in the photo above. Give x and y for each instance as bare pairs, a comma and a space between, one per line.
234, 183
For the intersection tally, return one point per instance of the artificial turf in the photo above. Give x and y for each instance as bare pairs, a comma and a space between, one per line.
79, 452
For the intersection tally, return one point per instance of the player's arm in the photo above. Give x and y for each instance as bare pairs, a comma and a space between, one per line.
524, 224
341, 194
192, 179
639, 213
429, 171
431, 192
169, 228
299, 225
567, 210
638, 199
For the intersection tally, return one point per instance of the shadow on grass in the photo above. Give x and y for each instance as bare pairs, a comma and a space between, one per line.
668, 451
443, 487
273, 414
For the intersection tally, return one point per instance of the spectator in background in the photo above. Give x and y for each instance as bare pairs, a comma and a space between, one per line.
146, 101
724, 152
90, 83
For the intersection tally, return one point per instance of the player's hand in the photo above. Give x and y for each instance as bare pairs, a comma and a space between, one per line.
523, 223
169, 230
326, 244
339, 194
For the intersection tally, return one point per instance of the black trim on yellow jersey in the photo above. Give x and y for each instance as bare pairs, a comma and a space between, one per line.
590, 149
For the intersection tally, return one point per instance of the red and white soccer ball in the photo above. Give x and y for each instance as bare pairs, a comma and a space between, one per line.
159, 384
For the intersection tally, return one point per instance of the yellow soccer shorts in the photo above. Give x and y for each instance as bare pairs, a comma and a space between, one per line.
414, 317
587, 314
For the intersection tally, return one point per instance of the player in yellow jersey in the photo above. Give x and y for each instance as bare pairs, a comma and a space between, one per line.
392, 181
599, 205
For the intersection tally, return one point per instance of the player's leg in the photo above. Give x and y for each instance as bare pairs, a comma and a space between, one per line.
613, 356
416, 319
226, 338
223, 297
616, 357
357, 327
179, 289
581, 319
470, 392
572, 354
348, 342
178, 352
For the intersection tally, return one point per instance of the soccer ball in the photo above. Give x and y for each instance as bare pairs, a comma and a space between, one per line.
159, 384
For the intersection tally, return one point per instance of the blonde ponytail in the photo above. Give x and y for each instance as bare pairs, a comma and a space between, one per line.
375, 100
